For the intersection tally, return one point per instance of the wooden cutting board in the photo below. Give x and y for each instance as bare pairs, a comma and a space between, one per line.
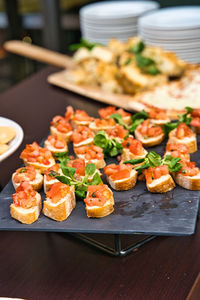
59, 78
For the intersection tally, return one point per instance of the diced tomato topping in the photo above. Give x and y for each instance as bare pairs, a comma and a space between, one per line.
34, 153
61, 124
177, 150
155, 173
97, 195
134, 146
109, 110
58, 191
101, 123
81, 115
195, 122
69, 113
157, 114
90, 151
117, 172
117, 131
25, 174
56, 142
79, 164
81, 133
183, 131
106, 111
54, 168
148, 130
196, 113
188, 168
25, 196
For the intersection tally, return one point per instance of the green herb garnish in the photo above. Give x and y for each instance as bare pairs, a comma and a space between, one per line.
137, 48
111, 147
83, 43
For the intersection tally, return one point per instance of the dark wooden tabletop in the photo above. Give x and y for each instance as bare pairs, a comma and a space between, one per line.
39, 265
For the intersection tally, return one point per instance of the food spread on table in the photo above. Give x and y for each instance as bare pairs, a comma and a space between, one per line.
7, 134
70, 177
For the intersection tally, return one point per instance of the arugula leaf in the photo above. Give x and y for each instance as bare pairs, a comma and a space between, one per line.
96, 179
61, 154
53, 173
62, 157
134, 125
169, 127
90, 169
118, 119
81, 191
137, 48
63, 179
153, 159
83, 43
139, 168
68, 171
134, 161
110, 146
172, 163
23, 170
152, 70
140, 115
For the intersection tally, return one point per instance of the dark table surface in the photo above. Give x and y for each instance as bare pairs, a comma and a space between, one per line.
37, 265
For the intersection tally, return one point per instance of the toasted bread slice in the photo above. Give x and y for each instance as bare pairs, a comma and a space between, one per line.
182, 155
188, 182
40, 166
123, 184
85, 142
48, 183
94, 128
26, 215
151, 141
36, 183
66, 136
127, 154
190, 141
76, 123
99, 163
61, 210
54, 150
161, 185
159, 122
100, 211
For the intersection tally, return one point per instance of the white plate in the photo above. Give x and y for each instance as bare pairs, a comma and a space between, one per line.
116, 9
15, 143
184, 17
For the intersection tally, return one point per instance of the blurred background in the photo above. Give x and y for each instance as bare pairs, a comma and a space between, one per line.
53, 24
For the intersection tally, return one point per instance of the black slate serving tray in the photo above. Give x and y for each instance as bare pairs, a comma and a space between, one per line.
136, 212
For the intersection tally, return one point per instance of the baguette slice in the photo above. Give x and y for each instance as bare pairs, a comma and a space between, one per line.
190, 141
99, 163
101, 211
151, 141
161, 185
36, 183
85, 142
54, 150
48, 183
127, 155
123, 184
39, 166
159, 122
61, 210
66, 136
26, 215
188, 182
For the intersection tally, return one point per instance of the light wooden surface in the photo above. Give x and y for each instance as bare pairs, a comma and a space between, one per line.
96, 93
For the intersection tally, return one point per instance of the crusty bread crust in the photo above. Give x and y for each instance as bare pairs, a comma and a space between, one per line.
39, 166
187, 182
36, 184
149, 142
123, 184
159, 122
65, 136
100, 211
84, 143
190, 143
61, 210
163, 186
29, 215
127, 155
75, 123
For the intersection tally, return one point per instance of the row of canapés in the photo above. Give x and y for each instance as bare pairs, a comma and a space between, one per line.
65, 178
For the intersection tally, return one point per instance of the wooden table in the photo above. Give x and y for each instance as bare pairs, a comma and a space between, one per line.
37, 265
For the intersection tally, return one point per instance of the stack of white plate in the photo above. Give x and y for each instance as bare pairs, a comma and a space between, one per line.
102, 21
176, 29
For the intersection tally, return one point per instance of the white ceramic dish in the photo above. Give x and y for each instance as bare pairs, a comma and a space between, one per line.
15, 143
